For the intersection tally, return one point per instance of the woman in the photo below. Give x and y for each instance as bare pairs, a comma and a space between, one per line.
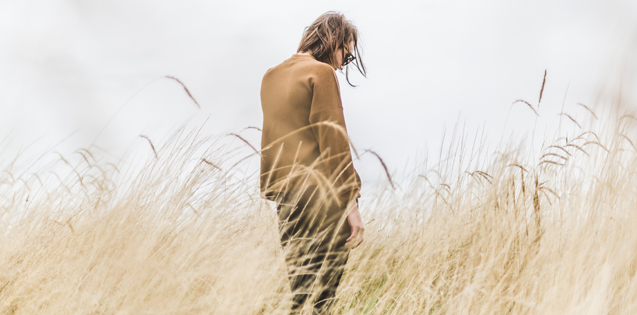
306, 165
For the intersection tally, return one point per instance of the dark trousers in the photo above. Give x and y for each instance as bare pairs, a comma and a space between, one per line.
313, 231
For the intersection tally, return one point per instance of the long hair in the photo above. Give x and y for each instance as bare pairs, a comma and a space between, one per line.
330, 32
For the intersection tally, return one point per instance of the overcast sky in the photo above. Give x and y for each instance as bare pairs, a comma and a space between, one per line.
80, 74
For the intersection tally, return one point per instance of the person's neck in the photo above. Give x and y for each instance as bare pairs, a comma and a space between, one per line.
303, 53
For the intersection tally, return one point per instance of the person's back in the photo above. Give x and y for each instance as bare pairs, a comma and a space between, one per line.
306, 164
304, 138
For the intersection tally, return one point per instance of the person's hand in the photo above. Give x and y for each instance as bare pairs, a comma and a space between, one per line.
356, 223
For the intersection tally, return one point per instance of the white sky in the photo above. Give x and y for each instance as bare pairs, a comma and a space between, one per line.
79, 74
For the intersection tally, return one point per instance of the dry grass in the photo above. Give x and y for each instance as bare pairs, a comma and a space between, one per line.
186, 234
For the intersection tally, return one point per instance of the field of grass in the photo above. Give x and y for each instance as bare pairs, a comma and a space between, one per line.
185, 232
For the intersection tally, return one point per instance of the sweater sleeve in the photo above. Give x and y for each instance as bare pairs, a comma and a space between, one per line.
328, 125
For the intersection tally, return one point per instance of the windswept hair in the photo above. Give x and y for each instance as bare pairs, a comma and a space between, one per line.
326, 35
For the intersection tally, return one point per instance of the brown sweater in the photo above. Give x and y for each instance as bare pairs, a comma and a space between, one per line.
304, 140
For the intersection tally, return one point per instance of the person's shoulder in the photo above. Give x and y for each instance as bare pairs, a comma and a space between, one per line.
272, 72
319, 67
266, 75
318, 71
274, 68
302, 67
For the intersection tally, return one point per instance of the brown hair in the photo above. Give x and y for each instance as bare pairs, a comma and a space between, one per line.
326, 35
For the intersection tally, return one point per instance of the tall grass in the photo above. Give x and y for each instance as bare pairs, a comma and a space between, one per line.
187, 233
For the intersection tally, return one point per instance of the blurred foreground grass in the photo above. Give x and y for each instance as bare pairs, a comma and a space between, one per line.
186, 233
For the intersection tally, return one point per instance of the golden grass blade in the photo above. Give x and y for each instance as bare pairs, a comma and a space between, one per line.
560, 148
151, 145
382, 163
571, 118
550, 162
629, 141
528, 104
211, 164
185, 89
542, 89
553, 154
588, 109
252, 127
518, 166
246, 142
597, 143
577, 147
